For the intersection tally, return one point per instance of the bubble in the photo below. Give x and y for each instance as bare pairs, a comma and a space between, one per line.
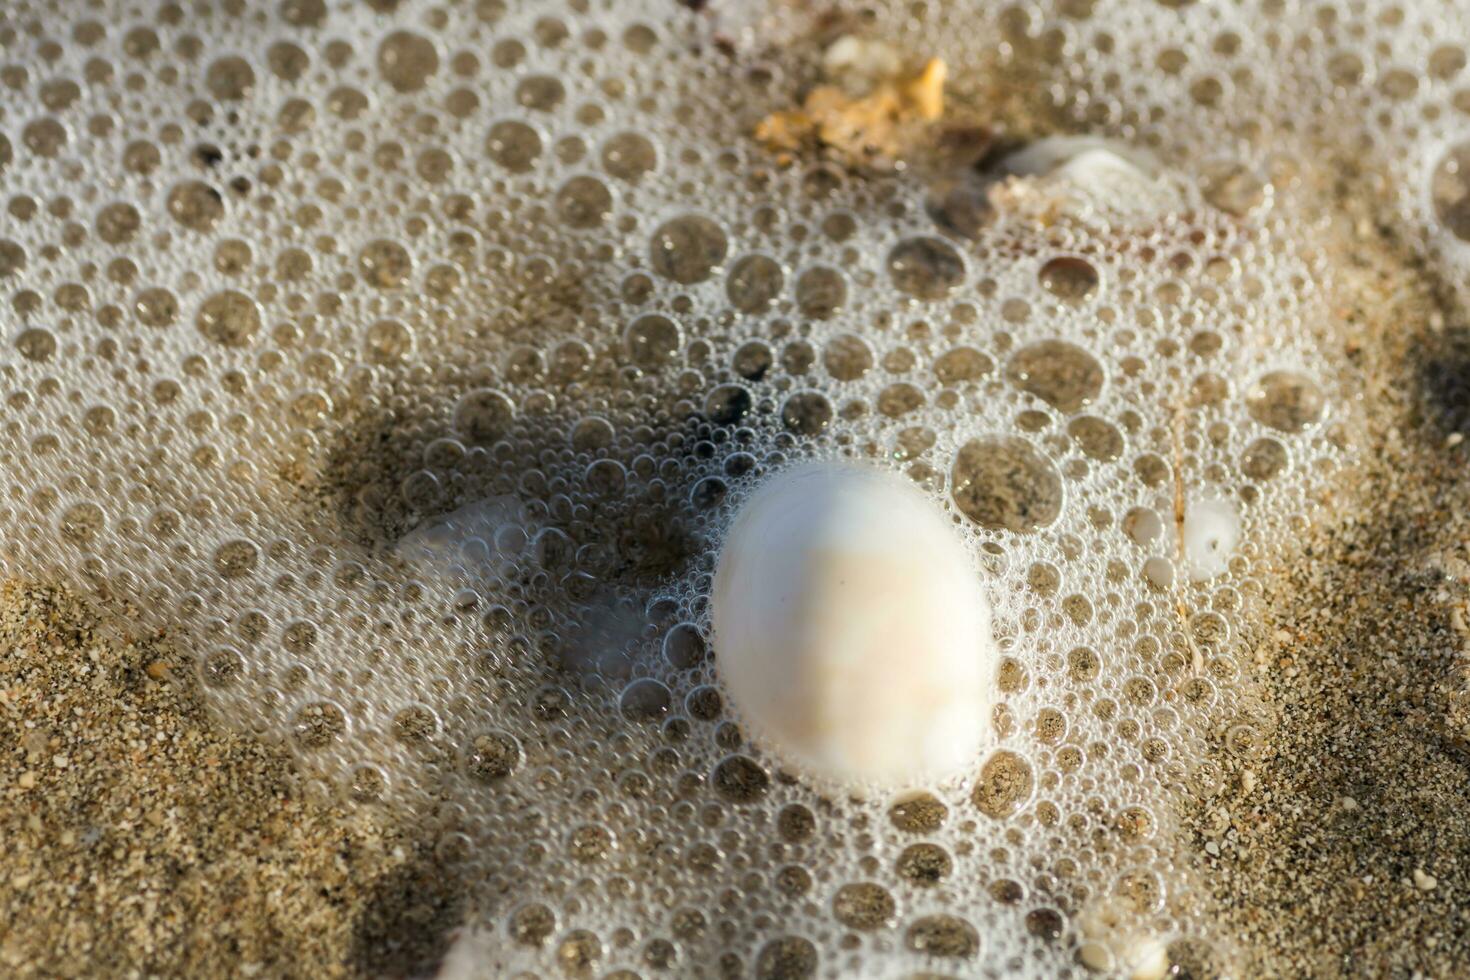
195, 205
786, 958
36, 344
578, 952
415, 725
492, 756
820, 292
1063, 375
847, 357
683, 647
1450, 191
81, 523
12, 258
229, 318
753, 360
1097, 438
864, 906
236, 559
740, 779
583, 202
514, 145
118, 222
653, 340
531, 924
806, 413
922, 813
687, 249
1263, 459
44, 137
1287, 401
899, 399
925, 268
385, 264
407, 60
1005, 484
924, 865
754, 283
230, 79
319, 724
962, 364
221, 667
796, 823
1069, 279
388, 342
483, 415
727, 404
628, 156
943, 935
542, 93
1004, 786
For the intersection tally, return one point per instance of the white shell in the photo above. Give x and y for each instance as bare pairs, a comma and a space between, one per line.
1074, 175
850, 629
1211, 532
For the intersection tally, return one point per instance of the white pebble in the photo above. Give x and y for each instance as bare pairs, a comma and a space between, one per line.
850, 628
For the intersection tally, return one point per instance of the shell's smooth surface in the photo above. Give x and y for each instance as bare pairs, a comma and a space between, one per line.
850, 628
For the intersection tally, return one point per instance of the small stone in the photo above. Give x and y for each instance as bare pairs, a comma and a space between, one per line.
1424, 881
1096, 957
27, 780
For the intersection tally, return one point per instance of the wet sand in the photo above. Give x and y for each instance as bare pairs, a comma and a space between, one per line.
142, 838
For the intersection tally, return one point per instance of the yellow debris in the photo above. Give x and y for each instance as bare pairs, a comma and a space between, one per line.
863, 129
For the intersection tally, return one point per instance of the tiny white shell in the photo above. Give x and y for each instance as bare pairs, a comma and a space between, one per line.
1211, 532
850, 629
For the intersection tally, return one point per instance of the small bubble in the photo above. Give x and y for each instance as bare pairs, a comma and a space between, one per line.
1069, 279
483, 415
652, 340
1005, 484
727, 404
195, 205
385, 264
925, 268
628, 156
1004, 785
687, 249
1063, 375
924, 864
1287, 401
786, 958
740, 779
407, 60
492, 756
1263, 459
236, 559
514, 145
820, 292
962, 364
583, 202
230, 79
229, 318
863, 905
754, 283
319, 724
943, 935
645, 700
806, 413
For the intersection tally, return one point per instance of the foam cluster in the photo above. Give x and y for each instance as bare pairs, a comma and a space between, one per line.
413, 359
